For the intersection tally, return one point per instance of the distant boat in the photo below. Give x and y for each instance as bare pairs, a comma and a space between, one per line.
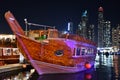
9, 55
50, 52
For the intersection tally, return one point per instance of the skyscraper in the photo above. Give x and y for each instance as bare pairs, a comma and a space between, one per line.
70, 27
91, 33
82, 27
104, 31
116, 38
107, 34
100, 27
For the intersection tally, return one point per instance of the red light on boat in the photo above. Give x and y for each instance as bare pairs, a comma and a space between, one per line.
88, 76
87, 65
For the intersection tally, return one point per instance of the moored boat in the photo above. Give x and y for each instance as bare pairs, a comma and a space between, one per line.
9, 55
50, 52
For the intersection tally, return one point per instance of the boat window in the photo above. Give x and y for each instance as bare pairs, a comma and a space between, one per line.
88, 51
83, 51
74, 52
59, 52
15, 51
92, 51
78, 52
6, 51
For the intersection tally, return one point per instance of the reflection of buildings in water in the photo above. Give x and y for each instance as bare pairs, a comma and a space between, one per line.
116, 65
19, 76
102, 59
104, 67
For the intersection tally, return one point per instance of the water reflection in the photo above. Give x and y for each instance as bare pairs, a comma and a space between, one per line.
106, 68
32, 75
17, 75
84, 75
116, 68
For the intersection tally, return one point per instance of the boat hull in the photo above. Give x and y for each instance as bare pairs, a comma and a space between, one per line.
48, 68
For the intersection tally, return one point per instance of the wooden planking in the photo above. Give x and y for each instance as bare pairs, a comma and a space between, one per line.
46, 52
13, 23
32, 47
78, 38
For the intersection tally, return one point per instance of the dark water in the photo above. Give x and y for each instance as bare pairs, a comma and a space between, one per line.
105, 68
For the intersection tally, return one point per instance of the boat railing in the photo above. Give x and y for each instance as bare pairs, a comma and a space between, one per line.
44, 26
44, 33
34, 24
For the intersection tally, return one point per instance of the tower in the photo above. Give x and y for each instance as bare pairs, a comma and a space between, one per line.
83, 25
104, 32
70, 27
100, 27
91, 33
107, 34
116, 38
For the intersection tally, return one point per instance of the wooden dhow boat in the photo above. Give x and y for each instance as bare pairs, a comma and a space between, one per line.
54, 53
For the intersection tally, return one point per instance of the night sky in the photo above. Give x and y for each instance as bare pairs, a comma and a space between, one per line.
58, 13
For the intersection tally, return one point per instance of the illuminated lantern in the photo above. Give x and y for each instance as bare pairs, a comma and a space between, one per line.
87, 65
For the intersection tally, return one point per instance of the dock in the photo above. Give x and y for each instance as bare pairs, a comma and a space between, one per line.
11, 67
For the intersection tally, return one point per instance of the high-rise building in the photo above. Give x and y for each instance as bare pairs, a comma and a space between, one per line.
100, 27
91, 33
70, 27
104, 31
116, 38
82, 27
107, 34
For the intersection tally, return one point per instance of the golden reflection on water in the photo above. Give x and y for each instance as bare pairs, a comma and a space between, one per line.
116, 68
21, 76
